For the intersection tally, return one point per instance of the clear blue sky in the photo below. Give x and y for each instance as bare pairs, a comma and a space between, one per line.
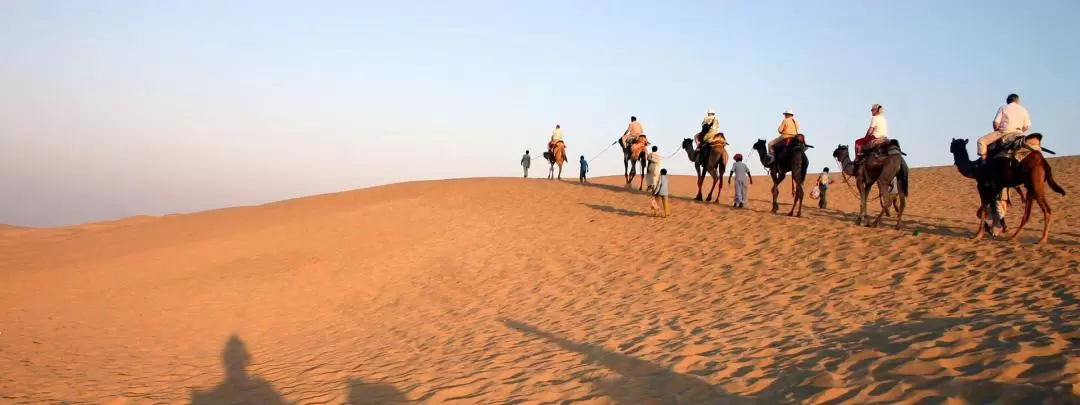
117, 108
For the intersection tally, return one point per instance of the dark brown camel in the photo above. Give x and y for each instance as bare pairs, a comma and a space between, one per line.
996, 174
791, 157
878, 169
713, 164
634, 153
557, 157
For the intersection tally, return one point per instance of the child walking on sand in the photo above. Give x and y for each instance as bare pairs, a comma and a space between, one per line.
584, 169
660, 195
743, 180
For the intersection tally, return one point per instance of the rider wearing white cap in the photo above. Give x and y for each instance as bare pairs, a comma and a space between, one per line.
788, 129
710, 126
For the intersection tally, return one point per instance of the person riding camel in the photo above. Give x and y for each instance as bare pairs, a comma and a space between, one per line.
788, 129
1011, 122
556, 137
710, 127
633, 131
876, 135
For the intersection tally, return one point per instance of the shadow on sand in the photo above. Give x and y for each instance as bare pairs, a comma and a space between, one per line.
613, 210
641, 381
239, 387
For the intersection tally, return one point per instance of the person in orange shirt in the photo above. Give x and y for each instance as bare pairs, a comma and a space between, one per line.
788, 129
632, 132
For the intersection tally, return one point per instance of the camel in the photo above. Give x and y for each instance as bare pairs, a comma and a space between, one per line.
558, 157
633, 154
996, 174
880, 170
790, 158
714, 166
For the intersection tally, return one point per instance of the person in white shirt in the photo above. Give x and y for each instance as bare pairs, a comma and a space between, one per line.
876, 135
1011, 121
556, 137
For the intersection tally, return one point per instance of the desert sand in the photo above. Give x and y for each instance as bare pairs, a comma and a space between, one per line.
531, 291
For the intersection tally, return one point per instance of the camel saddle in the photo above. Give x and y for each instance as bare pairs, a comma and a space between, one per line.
637, 145
890, 148
1015, 149
717, 145
551, 145
788, 145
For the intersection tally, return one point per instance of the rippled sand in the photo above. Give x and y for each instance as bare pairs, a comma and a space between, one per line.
530, 291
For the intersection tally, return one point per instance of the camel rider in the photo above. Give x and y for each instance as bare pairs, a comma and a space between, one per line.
710, 128
788, 128
1012, 121
556, 137
876, 135
633, 131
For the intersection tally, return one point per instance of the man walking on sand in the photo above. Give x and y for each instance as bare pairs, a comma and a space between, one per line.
584, 169
823, 187
743, 180
526, 161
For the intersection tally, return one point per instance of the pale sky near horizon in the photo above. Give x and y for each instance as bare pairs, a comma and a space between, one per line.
117, 108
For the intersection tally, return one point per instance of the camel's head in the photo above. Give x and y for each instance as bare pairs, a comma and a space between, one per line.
760, 144
958, 146
687, 143
841, 152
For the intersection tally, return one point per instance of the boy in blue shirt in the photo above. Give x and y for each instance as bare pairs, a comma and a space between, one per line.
584, 169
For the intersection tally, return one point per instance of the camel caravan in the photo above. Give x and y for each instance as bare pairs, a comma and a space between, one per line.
1009, 157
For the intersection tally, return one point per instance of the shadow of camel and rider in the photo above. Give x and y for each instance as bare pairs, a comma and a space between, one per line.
240, 387
641, 381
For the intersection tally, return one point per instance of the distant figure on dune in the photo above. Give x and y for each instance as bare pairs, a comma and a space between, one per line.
743, 180
526, 161
584, 169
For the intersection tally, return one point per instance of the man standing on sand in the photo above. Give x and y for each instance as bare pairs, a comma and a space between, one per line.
584, 169
823, 187
526, 161
743, 180
653, 171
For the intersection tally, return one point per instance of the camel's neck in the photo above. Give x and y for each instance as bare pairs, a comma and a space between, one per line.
763, 156
690, 152
846, 165
963, 165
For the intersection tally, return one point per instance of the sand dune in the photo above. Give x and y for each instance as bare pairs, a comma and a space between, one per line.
530, 291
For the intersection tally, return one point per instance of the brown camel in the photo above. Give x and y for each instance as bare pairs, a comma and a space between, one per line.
712, 163
633, 154
878, 169
558, 157
998, 173
791, 157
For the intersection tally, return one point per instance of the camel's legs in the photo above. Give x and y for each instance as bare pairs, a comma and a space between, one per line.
641, 184
886, 196
1023, 220
712, 173
864, 194
777, 180
1047, 216
901, 200
798, 199
700, 179
982, 222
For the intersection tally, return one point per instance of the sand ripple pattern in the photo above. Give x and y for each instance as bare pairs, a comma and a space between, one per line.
495, 291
